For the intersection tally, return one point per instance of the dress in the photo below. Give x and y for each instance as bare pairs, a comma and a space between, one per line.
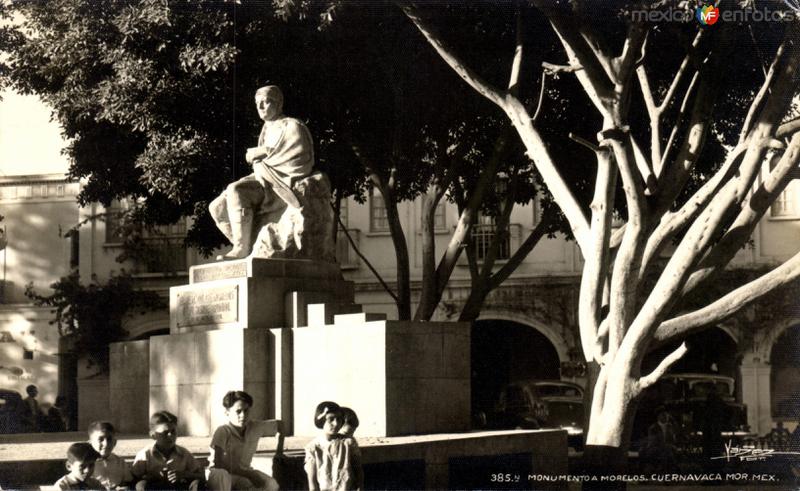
337, 462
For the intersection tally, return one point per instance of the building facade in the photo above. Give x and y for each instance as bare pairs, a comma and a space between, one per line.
527, 328
41, 245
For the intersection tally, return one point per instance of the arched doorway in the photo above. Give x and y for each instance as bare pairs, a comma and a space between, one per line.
505, 351
710, 351
784, 377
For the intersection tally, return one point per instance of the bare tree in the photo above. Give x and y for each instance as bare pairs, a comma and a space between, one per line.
620, 317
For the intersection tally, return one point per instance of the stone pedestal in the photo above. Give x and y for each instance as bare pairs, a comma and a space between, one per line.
401, 378
252, 293
129, 385
228, 332
189, 374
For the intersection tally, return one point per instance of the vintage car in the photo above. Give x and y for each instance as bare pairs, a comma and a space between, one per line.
685, 396
12, 410
533, 404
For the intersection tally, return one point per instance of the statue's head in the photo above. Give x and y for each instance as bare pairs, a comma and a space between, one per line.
269, 102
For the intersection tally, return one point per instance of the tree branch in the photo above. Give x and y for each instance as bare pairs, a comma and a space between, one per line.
521, 253
595, 267
752, 210
473, 79
662, 367
377, 275
682, 71
518, 114
729, 304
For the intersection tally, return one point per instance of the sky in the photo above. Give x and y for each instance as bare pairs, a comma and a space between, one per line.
29, 142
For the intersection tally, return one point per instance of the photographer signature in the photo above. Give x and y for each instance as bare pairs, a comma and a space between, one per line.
749, 453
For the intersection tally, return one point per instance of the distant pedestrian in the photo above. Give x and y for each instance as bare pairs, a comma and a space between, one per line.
33, 414
658, 453
333, 460
55, 420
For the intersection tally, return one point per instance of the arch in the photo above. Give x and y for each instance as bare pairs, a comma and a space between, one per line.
555, 338
763, 349
784, 379
142, 327
505, 351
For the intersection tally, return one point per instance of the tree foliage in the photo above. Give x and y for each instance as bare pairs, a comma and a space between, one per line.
156, 98
92, 315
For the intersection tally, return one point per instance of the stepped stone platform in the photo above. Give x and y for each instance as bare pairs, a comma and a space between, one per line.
439, 461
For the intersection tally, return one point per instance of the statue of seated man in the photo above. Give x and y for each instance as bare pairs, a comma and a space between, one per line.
284, 155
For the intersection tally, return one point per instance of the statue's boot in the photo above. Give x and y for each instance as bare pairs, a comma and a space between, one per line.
241, 233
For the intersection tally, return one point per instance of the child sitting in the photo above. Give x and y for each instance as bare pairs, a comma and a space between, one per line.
333, 460
234, 443
80, 464
349, 422
112, 471
165, 465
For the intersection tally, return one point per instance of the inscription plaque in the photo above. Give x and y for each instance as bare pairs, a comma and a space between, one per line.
220, 271
217, 305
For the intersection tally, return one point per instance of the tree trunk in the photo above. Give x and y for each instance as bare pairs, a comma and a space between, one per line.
401, 256
428, 295
474, 304
610, 425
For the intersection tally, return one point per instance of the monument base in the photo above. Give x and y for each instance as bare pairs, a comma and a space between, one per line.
401, 378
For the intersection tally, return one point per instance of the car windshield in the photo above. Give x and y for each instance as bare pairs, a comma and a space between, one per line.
703, 388
555, 390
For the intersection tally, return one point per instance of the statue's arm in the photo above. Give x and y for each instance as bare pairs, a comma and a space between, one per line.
254, 154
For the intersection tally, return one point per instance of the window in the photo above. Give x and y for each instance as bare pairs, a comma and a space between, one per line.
27, 355
787, 205
74, 248
483, 233
60, 190
114, 223
161, 249
161, 256
378, 221
8, 192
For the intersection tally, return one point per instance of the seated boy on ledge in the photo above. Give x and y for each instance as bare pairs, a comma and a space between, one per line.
165, 465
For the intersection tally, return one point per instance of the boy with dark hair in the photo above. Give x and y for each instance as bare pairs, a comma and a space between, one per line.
111, 470
234, 443
80, 464
165, 465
